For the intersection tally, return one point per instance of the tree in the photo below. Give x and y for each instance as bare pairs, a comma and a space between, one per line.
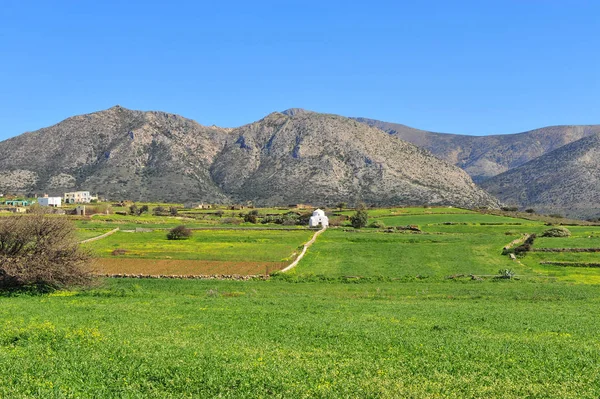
360, 218
133, 210
173, 211
143, 209
341, 205
251, 217
159, 211
42, 252
179, 233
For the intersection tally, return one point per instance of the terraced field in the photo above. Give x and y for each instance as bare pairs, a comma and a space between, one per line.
367, 313
206, 252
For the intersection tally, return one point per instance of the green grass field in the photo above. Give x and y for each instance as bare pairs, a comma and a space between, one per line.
402, 330
167, 339
225, 245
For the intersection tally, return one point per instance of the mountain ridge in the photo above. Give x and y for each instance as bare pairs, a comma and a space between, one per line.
486, 156
564, 181
280, 159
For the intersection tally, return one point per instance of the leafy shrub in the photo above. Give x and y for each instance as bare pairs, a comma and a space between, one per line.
510, 208
179, 233
232, 220
360, 218
289, 221
173, 211
251, 217
530, 210
557, 232
159, 211
42, 252
377, 224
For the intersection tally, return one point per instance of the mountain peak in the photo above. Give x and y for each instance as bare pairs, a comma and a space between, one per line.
296, 111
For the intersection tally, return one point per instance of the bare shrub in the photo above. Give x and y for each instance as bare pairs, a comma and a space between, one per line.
118, 251
41, 251
231, 221
557, 232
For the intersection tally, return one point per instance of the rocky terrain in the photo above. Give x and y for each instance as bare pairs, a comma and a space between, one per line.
565, 181
327, 158
483, 157
284, 158
117, 153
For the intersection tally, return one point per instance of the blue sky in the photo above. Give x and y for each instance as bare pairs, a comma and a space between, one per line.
472, 67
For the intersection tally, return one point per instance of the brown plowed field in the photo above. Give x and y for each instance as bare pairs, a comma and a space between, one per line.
182, 267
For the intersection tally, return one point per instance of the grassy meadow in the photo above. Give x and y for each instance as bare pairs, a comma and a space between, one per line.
165, 338
367, 313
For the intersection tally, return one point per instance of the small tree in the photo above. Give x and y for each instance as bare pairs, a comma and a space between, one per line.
173, 211
159, 211
41, 251
179, 233
143, 209
341, 205
251, 217
360, 218
133, 210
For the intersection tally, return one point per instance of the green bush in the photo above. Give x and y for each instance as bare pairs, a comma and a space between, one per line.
360, 218
377, 225
179, 233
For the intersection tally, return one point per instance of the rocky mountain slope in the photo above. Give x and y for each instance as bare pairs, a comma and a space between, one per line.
299, 157
118, 153
564, 181
327, 158
483, 157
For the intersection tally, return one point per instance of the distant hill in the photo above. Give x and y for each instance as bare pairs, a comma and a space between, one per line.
564, 181
483, 157
298, 157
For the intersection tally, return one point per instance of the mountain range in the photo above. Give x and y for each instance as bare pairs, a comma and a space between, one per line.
284, 158
300, 156
483, 157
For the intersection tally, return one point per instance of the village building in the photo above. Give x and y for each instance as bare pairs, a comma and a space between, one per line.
318, 218
79, 197
197, 205
17, 203
55, 202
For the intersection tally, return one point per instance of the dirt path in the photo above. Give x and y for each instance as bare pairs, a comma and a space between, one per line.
306, 246
100, 236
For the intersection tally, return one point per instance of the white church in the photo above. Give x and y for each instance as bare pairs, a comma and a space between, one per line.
318, 218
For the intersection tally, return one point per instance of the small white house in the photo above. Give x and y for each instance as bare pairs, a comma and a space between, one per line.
318, 218
55, 202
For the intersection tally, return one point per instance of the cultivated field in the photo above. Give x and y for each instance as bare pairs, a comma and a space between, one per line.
376, 312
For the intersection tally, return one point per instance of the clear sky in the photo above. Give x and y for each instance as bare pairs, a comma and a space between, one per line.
473, 67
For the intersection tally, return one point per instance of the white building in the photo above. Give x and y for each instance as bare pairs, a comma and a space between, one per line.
79, 197
50, 201
318, 218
